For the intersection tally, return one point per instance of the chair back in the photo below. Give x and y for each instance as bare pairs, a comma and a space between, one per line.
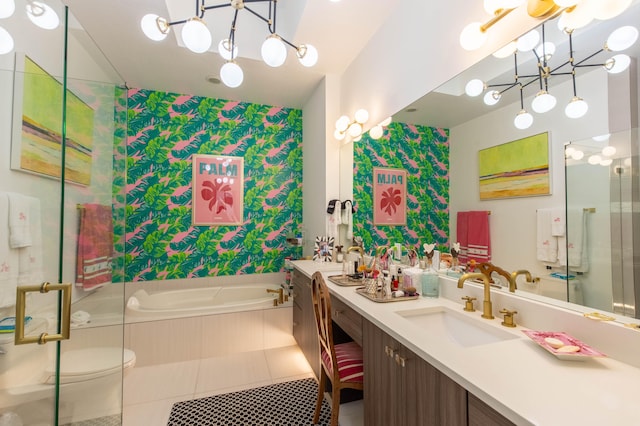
322, 312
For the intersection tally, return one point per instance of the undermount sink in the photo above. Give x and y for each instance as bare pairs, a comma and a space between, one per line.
456, 326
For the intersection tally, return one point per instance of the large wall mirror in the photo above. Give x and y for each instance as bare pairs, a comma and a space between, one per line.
595, 192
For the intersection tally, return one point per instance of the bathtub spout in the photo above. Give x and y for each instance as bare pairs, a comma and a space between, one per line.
280, 293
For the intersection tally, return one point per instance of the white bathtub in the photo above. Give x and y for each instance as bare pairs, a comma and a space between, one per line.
145, 305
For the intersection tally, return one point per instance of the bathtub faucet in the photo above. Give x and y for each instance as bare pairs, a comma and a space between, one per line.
280, 293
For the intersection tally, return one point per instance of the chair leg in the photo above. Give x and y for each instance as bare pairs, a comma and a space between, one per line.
321, 386
335, 405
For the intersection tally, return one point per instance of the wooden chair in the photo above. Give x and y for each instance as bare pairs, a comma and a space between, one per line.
342, 363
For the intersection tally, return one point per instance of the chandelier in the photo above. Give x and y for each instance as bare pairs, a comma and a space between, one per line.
544, 101
40, 14
197, 37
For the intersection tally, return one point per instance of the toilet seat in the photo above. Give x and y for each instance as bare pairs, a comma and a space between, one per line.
90, 363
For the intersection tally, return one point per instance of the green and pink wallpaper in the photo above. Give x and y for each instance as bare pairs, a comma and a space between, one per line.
165, 131
424, 153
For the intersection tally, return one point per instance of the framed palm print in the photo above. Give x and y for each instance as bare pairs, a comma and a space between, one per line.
218, 192
389, 196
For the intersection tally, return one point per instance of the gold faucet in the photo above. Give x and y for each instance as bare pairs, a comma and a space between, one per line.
280, 293
487, 310
359, 250
512, 282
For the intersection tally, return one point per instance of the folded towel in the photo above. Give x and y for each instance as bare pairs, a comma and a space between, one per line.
31, 263
347, 218
333, 218
19, 219
546, 243
95, 247
9, 258
577, 251
558, 222
478, 236
462, 236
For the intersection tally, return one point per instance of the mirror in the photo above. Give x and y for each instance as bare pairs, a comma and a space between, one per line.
474, 126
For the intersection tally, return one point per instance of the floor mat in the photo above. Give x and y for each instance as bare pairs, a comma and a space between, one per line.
289, 403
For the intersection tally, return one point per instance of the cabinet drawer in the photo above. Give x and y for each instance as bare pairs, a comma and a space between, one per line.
348, 319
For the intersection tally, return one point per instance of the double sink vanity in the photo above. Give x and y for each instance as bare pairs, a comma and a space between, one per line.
427, 361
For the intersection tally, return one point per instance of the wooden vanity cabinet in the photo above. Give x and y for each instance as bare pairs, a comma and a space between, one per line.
401, 388
480, 414
304, 323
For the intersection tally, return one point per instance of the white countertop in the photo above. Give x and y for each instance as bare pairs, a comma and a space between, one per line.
516, 377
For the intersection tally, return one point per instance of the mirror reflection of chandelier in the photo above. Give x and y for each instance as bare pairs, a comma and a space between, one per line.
197, 37
40, 14
544, 101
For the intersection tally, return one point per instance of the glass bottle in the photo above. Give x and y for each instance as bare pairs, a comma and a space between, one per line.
429, 280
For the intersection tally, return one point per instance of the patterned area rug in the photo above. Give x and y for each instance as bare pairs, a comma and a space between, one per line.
289, 403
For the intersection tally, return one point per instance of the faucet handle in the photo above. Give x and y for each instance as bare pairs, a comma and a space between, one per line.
508, 317
468, 304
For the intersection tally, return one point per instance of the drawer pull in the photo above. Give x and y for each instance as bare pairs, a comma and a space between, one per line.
389, 351
400, 360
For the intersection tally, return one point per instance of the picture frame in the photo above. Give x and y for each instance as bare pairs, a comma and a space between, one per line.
323, 249
217, 190
520, 168
389, 196
37, 123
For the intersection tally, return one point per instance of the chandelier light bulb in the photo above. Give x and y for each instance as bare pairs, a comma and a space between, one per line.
7, 7
622, 38
617, 63
273, 51
154, 27
231, 74
42, 15
543, 102
307, 55
492, 97
361, 116
606, 9
545, 50
609, 151
579, 17
224, 49
355, 130
339, 135
386, 122
342, 123
506, 51
528, 41
512, 4
606, 162
568, 151
472, 37
474, 87
376, 132
523, 120
576, 108
594, 159
602, 138
6, 41
577, 155
196, 35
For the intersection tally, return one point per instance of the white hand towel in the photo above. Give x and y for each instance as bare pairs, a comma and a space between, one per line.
558, 222
577, 240
333, 220
9, 258
31, 265
19, 227
546, 244
347, 218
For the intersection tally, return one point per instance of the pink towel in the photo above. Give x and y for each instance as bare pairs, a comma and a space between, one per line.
95, 246
474, 237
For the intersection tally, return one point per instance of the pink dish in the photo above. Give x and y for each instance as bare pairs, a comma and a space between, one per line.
584, 353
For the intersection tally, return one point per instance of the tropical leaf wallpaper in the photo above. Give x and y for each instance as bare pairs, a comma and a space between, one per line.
424, 153
164, 131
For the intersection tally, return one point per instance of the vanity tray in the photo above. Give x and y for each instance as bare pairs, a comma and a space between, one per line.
377, 297
585, 352
346, 281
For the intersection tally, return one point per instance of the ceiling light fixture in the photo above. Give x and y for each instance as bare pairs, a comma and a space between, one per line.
197, 37
38, 13
544, 101
574, 14
7, 7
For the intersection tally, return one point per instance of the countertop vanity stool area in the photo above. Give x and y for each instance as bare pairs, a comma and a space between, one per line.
400, 387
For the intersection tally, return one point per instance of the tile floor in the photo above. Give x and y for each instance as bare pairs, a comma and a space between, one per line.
149, 392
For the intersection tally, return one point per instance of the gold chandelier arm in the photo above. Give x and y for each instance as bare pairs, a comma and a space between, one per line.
500, 13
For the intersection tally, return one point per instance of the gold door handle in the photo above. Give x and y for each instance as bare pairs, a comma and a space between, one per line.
21, 300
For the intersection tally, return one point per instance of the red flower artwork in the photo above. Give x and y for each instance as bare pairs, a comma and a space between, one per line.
217, 193
390, 200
